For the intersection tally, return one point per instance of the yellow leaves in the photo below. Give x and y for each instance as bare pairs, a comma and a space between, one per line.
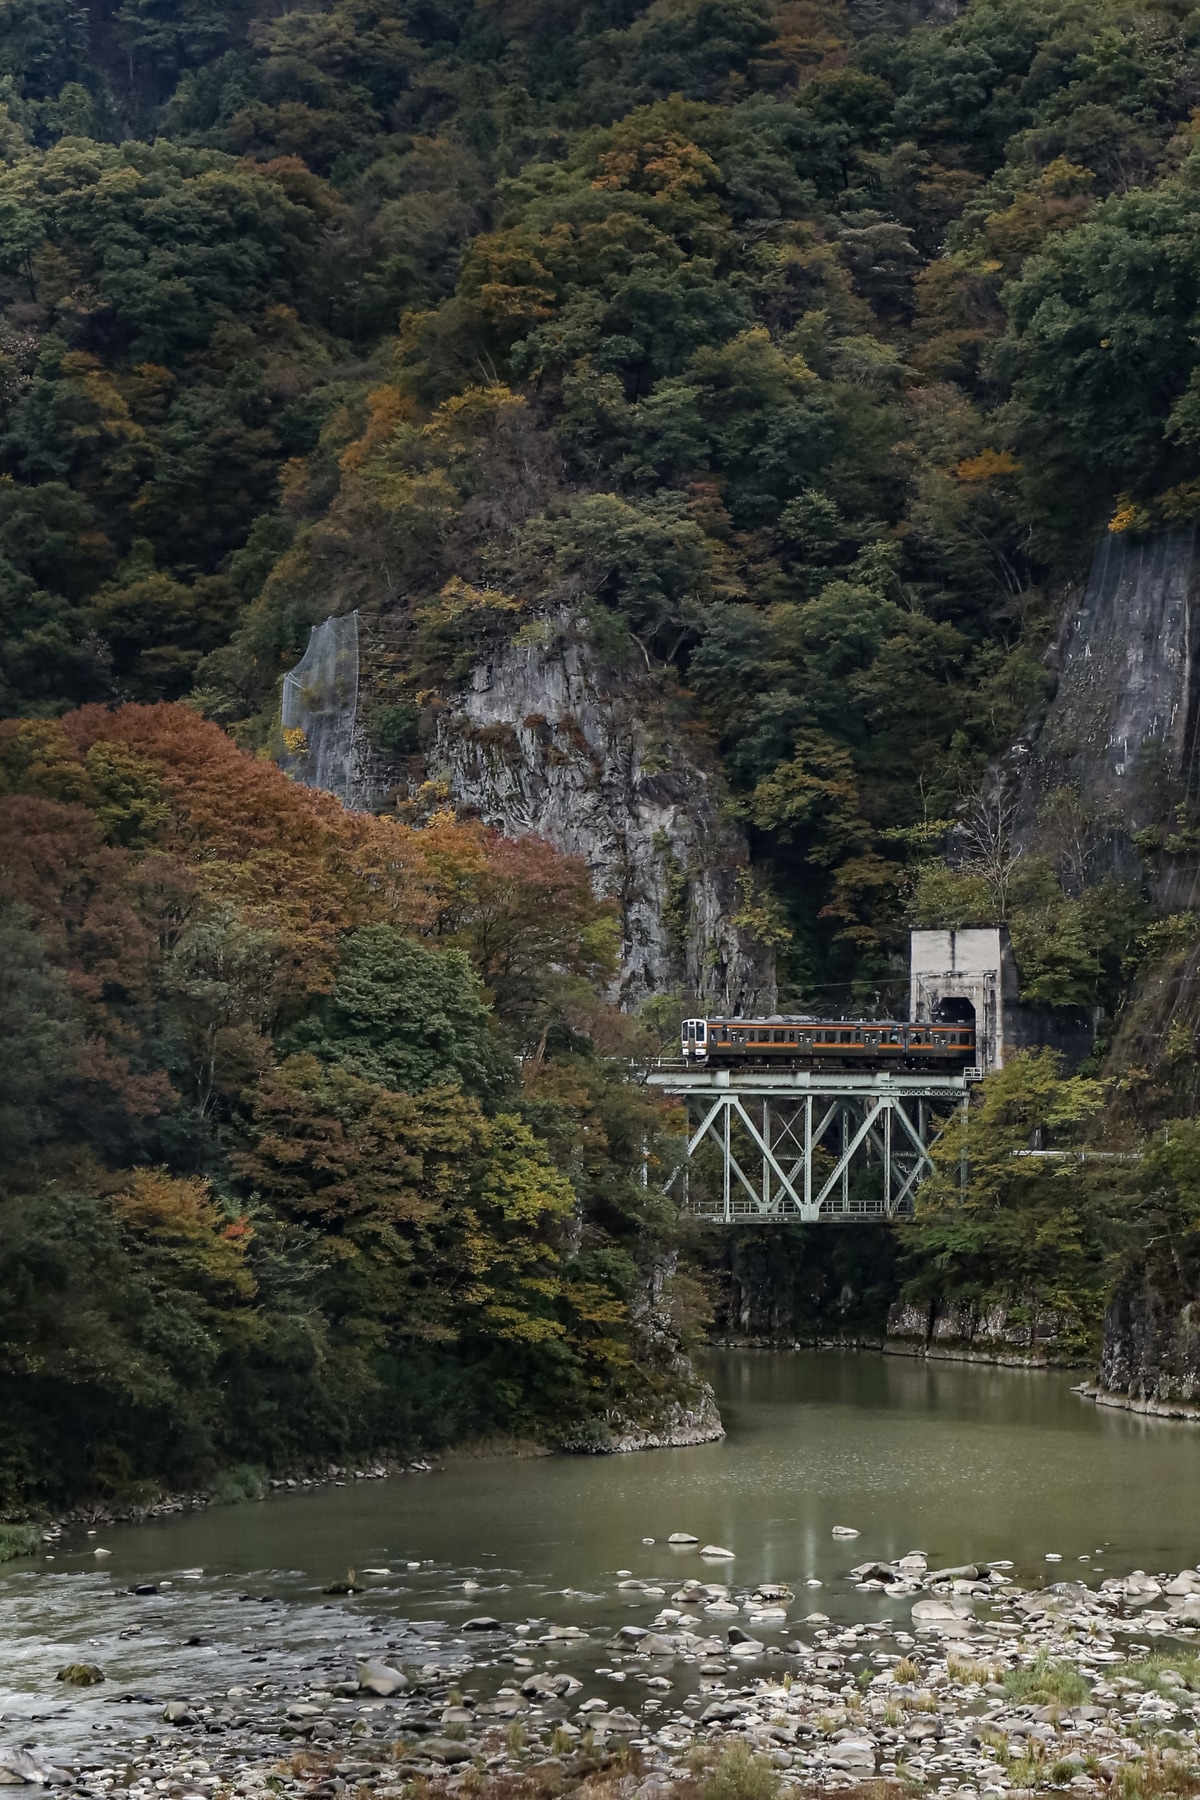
1179, 503
387, 408
474, 407
987, 466
1174, 506
517, 1326
458, 600
760, 913
295, 740
122, 789
668, 166
818, 788
504, 276
177, 1215
520, 1181
111, 417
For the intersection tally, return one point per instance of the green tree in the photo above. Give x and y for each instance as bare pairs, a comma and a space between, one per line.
405, 1017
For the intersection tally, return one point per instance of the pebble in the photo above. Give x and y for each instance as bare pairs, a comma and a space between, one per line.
837, 1706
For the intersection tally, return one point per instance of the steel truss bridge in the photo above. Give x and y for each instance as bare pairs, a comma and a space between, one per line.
801, 1145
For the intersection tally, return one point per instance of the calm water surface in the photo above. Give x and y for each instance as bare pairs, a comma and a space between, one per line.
960, 1461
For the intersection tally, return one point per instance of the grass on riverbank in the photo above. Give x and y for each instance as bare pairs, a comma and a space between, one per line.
733, 1773
18, 1540
1151, 1670
1045, 1681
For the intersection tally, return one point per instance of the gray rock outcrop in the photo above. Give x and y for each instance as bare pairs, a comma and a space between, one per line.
604, 766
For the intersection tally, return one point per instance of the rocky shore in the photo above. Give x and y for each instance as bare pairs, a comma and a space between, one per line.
165, 1506
973, 1685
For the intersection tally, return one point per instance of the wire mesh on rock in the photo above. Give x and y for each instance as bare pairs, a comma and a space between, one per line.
323, 745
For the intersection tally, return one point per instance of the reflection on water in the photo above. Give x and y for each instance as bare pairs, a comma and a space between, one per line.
962, 1461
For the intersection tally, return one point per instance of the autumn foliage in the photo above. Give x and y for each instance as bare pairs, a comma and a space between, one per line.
275, 1170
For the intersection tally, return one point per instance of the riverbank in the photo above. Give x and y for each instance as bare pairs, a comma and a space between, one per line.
233, 1487
928, 1350
975, 1685
1137, 1403
679, 1427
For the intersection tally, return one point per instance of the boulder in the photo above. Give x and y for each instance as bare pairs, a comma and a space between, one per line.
380, 1678
875, 1571
718, 1553
446, 1750
934, 1612
483, 1623
853, 1754
616, 1721
682, 1537
21, 1765
80, 1675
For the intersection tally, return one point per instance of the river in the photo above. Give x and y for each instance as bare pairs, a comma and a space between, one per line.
960, 1461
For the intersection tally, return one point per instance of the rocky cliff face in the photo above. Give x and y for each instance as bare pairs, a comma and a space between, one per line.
1151, 1357
1014, 1332
673, 1405
1120, 730
544, 740
602, 763
804, 1283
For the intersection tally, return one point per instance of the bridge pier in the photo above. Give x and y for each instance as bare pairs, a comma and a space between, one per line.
807, 1145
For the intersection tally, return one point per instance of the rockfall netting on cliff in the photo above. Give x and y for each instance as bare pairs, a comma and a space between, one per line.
323, 743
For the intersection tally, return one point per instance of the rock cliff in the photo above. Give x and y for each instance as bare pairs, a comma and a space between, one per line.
1018, 1332
674, 1406
1151, 1356
603, 764
1120, 730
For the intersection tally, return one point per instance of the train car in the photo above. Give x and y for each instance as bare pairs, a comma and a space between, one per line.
801, 1043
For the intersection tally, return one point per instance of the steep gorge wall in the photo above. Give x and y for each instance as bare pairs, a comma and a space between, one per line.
544, 740
1151, 1356
1121, 728
602, 763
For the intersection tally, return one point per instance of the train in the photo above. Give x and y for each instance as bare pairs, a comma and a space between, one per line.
794, 1042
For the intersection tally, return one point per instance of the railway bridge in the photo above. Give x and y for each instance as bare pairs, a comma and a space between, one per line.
802, 1145
778, 1144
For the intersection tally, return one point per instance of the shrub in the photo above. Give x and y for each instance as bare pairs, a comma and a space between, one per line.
18, 1540
738, 1774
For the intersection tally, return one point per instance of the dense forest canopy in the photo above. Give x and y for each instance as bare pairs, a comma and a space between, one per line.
797, 352
800, 348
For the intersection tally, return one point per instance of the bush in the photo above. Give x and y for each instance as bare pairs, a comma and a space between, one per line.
18, 1540
1046, 1680
739, 1775
243, 1482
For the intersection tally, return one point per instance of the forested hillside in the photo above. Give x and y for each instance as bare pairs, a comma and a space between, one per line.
792, 354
